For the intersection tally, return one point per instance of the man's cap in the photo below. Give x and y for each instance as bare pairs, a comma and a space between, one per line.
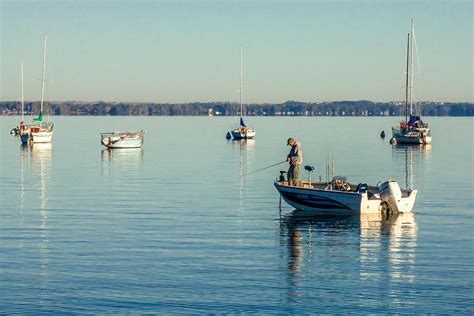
291, 139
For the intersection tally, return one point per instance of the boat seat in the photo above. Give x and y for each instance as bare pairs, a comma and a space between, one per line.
309, 168
362, 188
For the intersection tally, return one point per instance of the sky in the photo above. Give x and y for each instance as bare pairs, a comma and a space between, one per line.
188, 51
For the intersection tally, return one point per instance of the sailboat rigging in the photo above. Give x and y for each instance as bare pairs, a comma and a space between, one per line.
41, 131
242, 131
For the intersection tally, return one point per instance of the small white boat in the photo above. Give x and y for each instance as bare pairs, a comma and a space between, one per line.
41, 133
123, 139
242, 131
339, 197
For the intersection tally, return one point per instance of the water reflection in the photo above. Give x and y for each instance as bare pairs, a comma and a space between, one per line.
23, 160
122, 171
385, 251
40, 156
125, 155
246, 151
408, 160
122, 161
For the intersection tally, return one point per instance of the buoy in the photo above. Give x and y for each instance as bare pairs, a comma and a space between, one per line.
393, 141
228, 135
382, 135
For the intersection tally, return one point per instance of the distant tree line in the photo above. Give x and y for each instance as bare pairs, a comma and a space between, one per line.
289, 108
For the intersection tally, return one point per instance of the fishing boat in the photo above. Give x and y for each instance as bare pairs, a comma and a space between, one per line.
123, 139
242, 131
412, 130
339, 197
41, 131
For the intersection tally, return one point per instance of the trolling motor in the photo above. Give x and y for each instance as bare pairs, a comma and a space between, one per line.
282, 176
310, 170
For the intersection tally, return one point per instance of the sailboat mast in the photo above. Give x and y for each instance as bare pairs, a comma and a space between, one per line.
43, 73
407, 76
22, 96
411, 64
241, 107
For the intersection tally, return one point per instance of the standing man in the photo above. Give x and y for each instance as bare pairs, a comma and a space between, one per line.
295, 159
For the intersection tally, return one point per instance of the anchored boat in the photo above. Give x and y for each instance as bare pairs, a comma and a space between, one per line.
123, 139
41, 131
412, 130
242, 131
339, 197
23, 130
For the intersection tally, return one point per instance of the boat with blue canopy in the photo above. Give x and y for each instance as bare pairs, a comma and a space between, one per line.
242, 131
412, 130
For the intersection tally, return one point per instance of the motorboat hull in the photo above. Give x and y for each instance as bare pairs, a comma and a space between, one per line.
334, 203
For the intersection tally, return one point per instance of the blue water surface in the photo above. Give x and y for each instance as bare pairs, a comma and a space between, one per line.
179, 227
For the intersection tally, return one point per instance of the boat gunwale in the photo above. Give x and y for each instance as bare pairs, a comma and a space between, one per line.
405, 192
277, 184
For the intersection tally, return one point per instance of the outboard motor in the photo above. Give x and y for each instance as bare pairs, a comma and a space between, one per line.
391, 194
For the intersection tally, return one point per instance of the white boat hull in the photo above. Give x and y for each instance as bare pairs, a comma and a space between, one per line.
335, 203
41, 137
239, 134
412, 136
123, 139
127, 143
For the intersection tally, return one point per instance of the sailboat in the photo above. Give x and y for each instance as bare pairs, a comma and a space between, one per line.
242, 131
23, 130
412, 130
17, 130
41, 131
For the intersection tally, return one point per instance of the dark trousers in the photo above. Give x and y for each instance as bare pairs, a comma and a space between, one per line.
293, 175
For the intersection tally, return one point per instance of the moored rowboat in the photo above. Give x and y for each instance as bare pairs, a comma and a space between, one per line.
123, 139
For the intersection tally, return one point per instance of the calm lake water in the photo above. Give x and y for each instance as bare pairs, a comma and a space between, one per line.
174, 228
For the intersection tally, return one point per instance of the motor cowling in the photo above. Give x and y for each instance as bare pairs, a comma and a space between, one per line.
390, 193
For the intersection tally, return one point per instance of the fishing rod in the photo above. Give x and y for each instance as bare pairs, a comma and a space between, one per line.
258, 170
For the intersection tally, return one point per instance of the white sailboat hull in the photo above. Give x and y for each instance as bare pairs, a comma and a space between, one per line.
243, 134
412, 136
41, 137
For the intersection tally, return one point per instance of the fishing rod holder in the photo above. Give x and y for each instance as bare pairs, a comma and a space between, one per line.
310, 170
